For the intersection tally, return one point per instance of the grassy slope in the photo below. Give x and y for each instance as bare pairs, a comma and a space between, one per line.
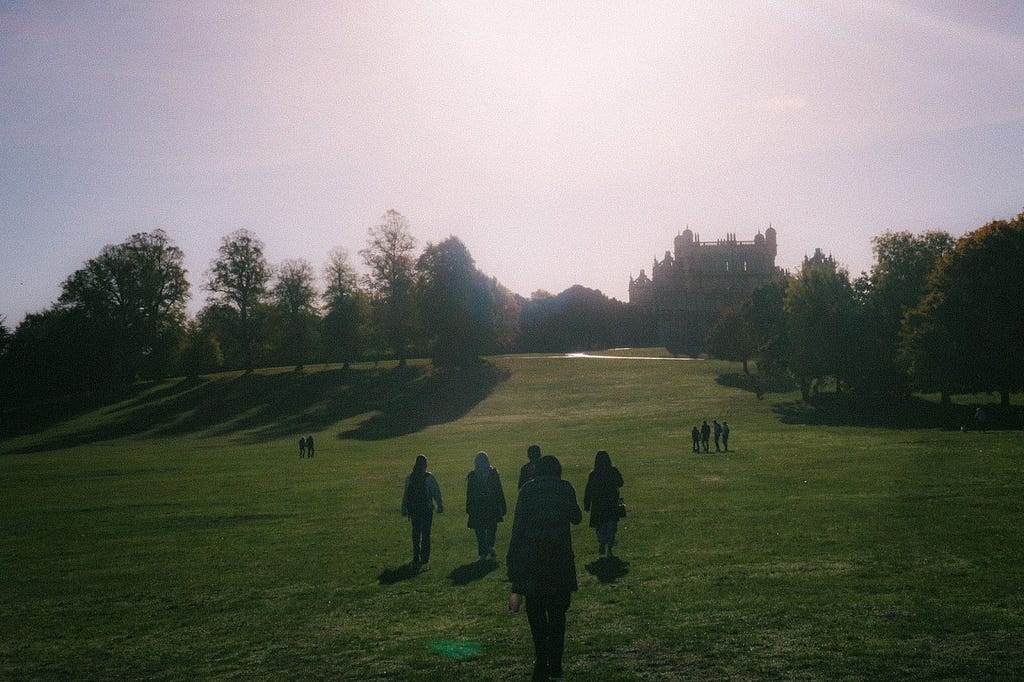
193, 541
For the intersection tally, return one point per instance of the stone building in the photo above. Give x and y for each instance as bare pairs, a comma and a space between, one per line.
691, 285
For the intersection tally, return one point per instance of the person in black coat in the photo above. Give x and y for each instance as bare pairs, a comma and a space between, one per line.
601, 499
485, 504
541, 564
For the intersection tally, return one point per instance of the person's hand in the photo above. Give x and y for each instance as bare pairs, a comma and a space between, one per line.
514, 602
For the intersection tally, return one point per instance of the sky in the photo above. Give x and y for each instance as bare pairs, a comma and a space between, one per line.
564, 143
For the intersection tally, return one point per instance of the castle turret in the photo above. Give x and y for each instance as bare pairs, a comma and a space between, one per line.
770, 236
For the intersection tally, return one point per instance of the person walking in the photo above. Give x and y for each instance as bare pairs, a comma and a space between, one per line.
419, 497
705, 434
302, 448
529, 469
725, 435
485, 504
695, 435
718, 435
309, 446
601, 499
541, 565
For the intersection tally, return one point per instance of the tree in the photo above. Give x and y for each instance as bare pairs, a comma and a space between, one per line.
820, 312
967, 334
731, 337
238, 280
294, 295
388, 256
766, 321
136, 291
456, 304
347, 309
897, 283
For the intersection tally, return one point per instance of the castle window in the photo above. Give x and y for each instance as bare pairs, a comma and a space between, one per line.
727, 266
744, 266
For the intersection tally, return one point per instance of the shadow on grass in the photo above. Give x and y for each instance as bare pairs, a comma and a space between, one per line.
467, 573
608, 569
390, 576
269, 406
831, 409
757, 384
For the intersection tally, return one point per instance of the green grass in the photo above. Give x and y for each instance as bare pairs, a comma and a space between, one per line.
178, 535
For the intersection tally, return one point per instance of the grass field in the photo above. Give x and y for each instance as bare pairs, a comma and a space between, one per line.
177, 535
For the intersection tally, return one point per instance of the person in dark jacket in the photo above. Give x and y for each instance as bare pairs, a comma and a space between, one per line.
695, 435
529, 470
541, 564
420, 495
705, 434
601, 499
485, 504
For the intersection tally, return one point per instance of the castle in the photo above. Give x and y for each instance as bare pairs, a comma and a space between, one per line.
689, 287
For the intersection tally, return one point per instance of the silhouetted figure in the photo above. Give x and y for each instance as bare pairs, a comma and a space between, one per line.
601, 499
695, 435
420, 495
725, 436
485, 504
529, 469
540, 561
705, 434
980, 418
718, 435
302, 448
309, 446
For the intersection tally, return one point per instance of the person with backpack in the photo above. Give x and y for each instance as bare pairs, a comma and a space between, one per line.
485, 504
541, 565
419, 497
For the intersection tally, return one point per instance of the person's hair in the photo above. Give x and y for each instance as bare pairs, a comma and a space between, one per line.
482, 465
602, 460
421, 463
533, 452
548, 465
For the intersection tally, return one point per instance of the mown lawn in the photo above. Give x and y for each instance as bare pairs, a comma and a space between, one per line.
178, 535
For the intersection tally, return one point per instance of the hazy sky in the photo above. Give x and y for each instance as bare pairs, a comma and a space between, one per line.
564, 142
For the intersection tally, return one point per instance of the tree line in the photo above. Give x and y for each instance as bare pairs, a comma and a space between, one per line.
934, 314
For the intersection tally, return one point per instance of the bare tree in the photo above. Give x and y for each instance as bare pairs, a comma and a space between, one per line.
389, 257
238, 279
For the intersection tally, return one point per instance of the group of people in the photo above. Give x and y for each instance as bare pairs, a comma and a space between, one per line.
306, 447
540, 561
702, 436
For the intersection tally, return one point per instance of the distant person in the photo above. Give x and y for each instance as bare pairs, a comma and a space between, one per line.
705, 434
529, 469
601, 499
419, 497
309, 446
980, 418
718, 435
695, 435
302, 448
540, 562
485, 504
725, 435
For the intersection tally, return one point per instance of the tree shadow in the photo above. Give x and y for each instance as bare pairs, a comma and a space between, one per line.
267, 406
390, 576
758, 384
831, 409
467, 573
608, 569
439, 397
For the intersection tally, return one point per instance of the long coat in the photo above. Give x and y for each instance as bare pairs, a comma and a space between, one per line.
485, 500
601, 497
540, 559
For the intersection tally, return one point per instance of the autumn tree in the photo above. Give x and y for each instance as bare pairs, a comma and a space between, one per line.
455, 303
295, 314
392, 272
237, 280
346, 309
135, 292
967, 334
731, 337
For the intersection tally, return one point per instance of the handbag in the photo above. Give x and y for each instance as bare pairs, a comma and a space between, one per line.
622, 508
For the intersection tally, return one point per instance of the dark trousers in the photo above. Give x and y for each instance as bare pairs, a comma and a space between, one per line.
547, 626
421, 536
485, 539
